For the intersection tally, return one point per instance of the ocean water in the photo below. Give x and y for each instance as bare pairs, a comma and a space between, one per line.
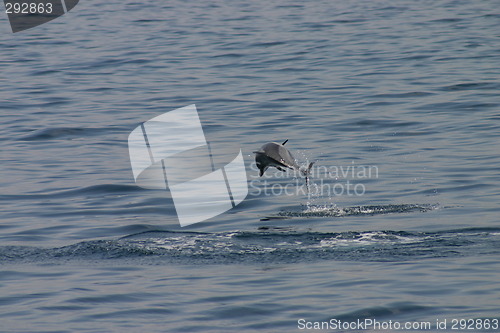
406, 90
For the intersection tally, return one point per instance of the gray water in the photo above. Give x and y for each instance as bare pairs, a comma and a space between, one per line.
410, 88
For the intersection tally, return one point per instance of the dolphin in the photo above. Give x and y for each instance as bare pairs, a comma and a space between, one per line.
273, 154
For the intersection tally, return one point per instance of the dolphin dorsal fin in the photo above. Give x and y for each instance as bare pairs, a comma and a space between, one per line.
284, 142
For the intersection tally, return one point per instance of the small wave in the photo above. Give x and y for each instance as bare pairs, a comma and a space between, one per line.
268, 245
448, 20
92, 189
334, 211
404, 95
472, 86
397, 308
54, 133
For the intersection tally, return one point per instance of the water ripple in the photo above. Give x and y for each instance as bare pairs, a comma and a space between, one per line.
268, 244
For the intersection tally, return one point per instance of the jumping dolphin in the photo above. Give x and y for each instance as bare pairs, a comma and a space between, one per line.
276, 155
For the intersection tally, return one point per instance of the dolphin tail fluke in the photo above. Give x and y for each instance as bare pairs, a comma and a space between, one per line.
309, 167
307, 172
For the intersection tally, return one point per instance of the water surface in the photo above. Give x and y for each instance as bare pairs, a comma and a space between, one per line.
409, 87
